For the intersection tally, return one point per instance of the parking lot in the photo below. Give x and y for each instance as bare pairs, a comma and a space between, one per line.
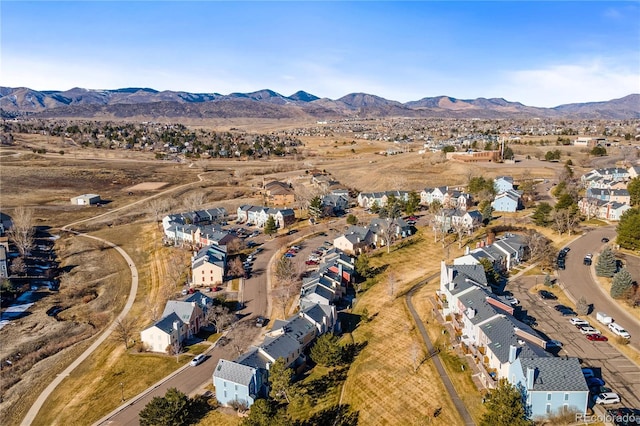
619, 373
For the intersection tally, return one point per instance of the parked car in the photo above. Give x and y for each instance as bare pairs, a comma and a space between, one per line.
617, 329
54, 310
594, 381
554, 343
289, 255
587, 329
599, 389
597, 337
607, 398
222, 341
560, 307
579, 322
311, 262
588, 372
197, 360
568, 312
547, 295
261, 321
605, 240
511, 300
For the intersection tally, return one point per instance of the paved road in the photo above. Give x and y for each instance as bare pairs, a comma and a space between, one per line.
619, 373
455, 398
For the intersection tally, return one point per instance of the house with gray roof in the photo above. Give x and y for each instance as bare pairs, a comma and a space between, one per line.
236, 381
190, 313
549, 384
508, 201
161, 335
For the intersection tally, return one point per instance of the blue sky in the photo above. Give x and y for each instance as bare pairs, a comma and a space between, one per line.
538, 53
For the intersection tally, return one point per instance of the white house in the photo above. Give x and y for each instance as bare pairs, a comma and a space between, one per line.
161, 335
506, 202
208, 266
503, 184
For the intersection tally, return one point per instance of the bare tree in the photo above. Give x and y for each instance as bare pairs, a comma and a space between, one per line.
22, 230
175, 268
416, 356
390, 233
123, 331
236, 269
175, 348
460, 228
220, 317
193, 200
157, 207
18, 267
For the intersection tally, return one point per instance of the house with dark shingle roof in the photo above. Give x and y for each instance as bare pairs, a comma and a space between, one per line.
162, 334
237, 381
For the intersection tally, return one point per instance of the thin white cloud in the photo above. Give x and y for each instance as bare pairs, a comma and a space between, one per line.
597, 80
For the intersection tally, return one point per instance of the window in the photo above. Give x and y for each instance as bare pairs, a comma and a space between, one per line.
548, 408
548, 397
236, 386
225, 392
566, 396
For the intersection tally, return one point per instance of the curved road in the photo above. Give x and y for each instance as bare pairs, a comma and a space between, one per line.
457, 402
579, 280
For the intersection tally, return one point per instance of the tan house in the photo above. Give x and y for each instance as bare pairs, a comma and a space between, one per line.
279, 194
161, 335
208, 266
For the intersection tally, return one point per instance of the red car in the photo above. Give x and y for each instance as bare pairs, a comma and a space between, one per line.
597, 337
310, 262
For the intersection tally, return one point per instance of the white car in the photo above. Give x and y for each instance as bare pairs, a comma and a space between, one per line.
617, 329
578, 322
607, 398
587, 329
511, 300
197, 359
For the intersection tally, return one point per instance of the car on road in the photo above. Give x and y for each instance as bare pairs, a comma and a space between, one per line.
607, 398
587, 329
605, 240
197, 360
547, 295
617, 329
588, 259
560, 307
597, 337
579, 322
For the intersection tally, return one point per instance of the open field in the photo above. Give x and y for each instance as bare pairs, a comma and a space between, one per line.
46, 182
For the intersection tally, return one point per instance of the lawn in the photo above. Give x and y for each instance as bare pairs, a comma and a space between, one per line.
389, 382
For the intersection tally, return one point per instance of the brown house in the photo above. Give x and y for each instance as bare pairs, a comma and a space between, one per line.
279, 194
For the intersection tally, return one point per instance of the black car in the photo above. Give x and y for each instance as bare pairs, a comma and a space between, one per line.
605, 240
568, 312
547, 295
560, 307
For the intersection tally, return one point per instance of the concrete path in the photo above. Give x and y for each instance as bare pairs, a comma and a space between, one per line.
453, 394
35, 408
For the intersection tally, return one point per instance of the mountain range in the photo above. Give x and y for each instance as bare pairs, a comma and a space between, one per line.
154, 104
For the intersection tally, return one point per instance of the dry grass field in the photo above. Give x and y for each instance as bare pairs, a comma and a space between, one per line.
378, 381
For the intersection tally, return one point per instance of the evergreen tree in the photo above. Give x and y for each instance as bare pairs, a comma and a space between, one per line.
628, 234
493, 278
352, 220
541, 214
172, 409
412, 203
504, 407
315, 208
362, 266
270, 226
487, 213
621, 285
634, 190
265, 413
280, 378
326, 351
606, 266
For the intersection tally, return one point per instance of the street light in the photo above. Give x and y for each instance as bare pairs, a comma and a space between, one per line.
122, 390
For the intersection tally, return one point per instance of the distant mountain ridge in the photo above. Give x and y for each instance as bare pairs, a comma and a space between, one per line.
147, 102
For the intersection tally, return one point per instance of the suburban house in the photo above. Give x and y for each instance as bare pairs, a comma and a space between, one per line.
335, 204
615, 174
458, 200
208, 266
382, 228
368, 199
279, 194
356, 240
429, 195
617, 195
4, 273
504, 253
190, 313
589, 142
161, 335
503, 347
449, 219
503, 184
258, 215
85, 200
608, 210
245, 379
507, 201
198, 217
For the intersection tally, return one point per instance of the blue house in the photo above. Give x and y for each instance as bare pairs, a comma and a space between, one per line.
235, 381
506, 201
549, 384
503, 184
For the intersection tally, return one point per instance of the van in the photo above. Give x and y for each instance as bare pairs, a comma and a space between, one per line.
617, 329
197, 360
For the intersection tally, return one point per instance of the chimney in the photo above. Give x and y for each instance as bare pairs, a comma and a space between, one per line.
268, 366
175, 325
466, 250
531, 376
513, 354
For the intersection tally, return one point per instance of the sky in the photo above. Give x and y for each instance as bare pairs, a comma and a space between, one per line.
538, 53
